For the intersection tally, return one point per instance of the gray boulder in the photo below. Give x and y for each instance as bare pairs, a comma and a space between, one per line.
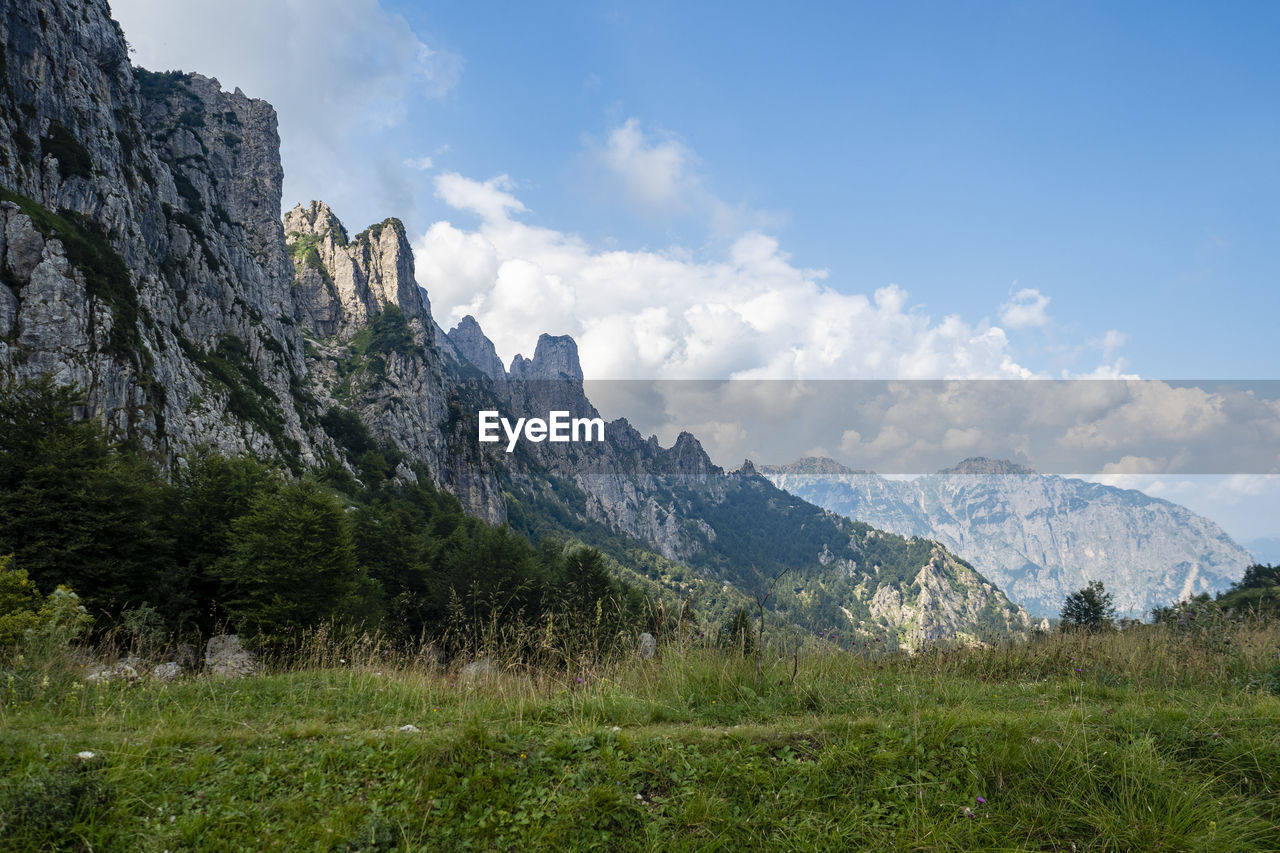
648, 645
225, 657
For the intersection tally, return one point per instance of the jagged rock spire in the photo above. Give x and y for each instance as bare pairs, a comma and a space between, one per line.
556, 358
476, 348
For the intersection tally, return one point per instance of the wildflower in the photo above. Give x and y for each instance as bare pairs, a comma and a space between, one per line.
982, 800
522, 755
968, 812
84, 756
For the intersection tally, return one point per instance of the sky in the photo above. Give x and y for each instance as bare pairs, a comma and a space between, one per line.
821, 191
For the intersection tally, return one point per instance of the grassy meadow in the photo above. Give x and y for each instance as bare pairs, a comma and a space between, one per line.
1154, 738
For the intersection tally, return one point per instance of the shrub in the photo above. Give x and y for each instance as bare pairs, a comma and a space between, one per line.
73, 158
19, 603
1089, 609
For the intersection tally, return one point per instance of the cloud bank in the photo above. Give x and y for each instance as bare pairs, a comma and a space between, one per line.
746, 312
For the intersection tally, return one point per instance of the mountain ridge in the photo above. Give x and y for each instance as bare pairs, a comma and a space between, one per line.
1040, 537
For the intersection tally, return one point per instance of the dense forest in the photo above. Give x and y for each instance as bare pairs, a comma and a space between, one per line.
240, 544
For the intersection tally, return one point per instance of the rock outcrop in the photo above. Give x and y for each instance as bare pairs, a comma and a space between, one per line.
145, 260
471, 342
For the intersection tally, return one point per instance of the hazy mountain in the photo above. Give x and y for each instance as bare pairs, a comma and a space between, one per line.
1039, 537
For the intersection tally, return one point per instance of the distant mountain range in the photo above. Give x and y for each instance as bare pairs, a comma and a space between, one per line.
1039, 537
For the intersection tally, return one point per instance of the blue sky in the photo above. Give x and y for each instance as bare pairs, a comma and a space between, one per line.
854, 190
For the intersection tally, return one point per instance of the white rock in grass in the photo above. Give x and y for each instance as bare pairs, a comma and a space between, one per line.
166, 671
410, 728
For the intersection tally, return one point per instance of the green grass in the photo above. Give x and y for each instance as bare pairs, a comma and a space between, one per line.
1160, 741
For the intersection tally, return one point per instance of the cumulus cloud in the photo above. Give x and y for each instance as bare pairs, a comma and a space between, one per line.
748, 312
340, 73
1025, 309
655, 173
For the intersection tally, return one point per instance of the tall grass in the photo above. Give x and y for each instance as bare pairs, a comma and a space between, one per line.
1155, 738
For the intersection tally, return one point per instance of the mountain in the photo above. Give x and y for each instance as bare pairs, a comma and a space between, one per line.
1039, 537
144, 260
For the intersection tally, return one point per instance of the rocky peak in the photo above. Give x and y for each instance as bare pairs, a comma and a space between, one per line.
810, 466
983, 465
556, 358
315, 219
340, 283
748, 469
688, 460
476, 348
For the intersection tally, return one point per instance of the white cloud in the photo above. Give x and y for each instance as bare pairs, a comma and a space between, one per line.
1025, 309
1112, 341
421, 164
747, 312
657, 176
340, 73
490, 200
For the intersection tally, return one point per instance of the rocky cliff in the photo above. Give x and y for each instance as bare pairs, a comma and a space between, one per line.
144, 259
1039, 537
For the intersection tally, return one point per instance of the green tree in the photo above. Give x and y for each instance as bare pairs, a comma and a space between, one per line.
1089, 609
1258, 576
55, 622
75, 509
212, 492
292, 564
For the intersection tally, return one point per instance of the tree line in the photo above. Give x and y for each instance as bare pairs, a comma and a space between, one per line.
240, 544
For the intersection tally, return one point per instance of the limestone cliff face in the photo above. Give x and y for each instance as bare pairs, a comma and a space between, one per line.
374, 348
1039, 537
144, 259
